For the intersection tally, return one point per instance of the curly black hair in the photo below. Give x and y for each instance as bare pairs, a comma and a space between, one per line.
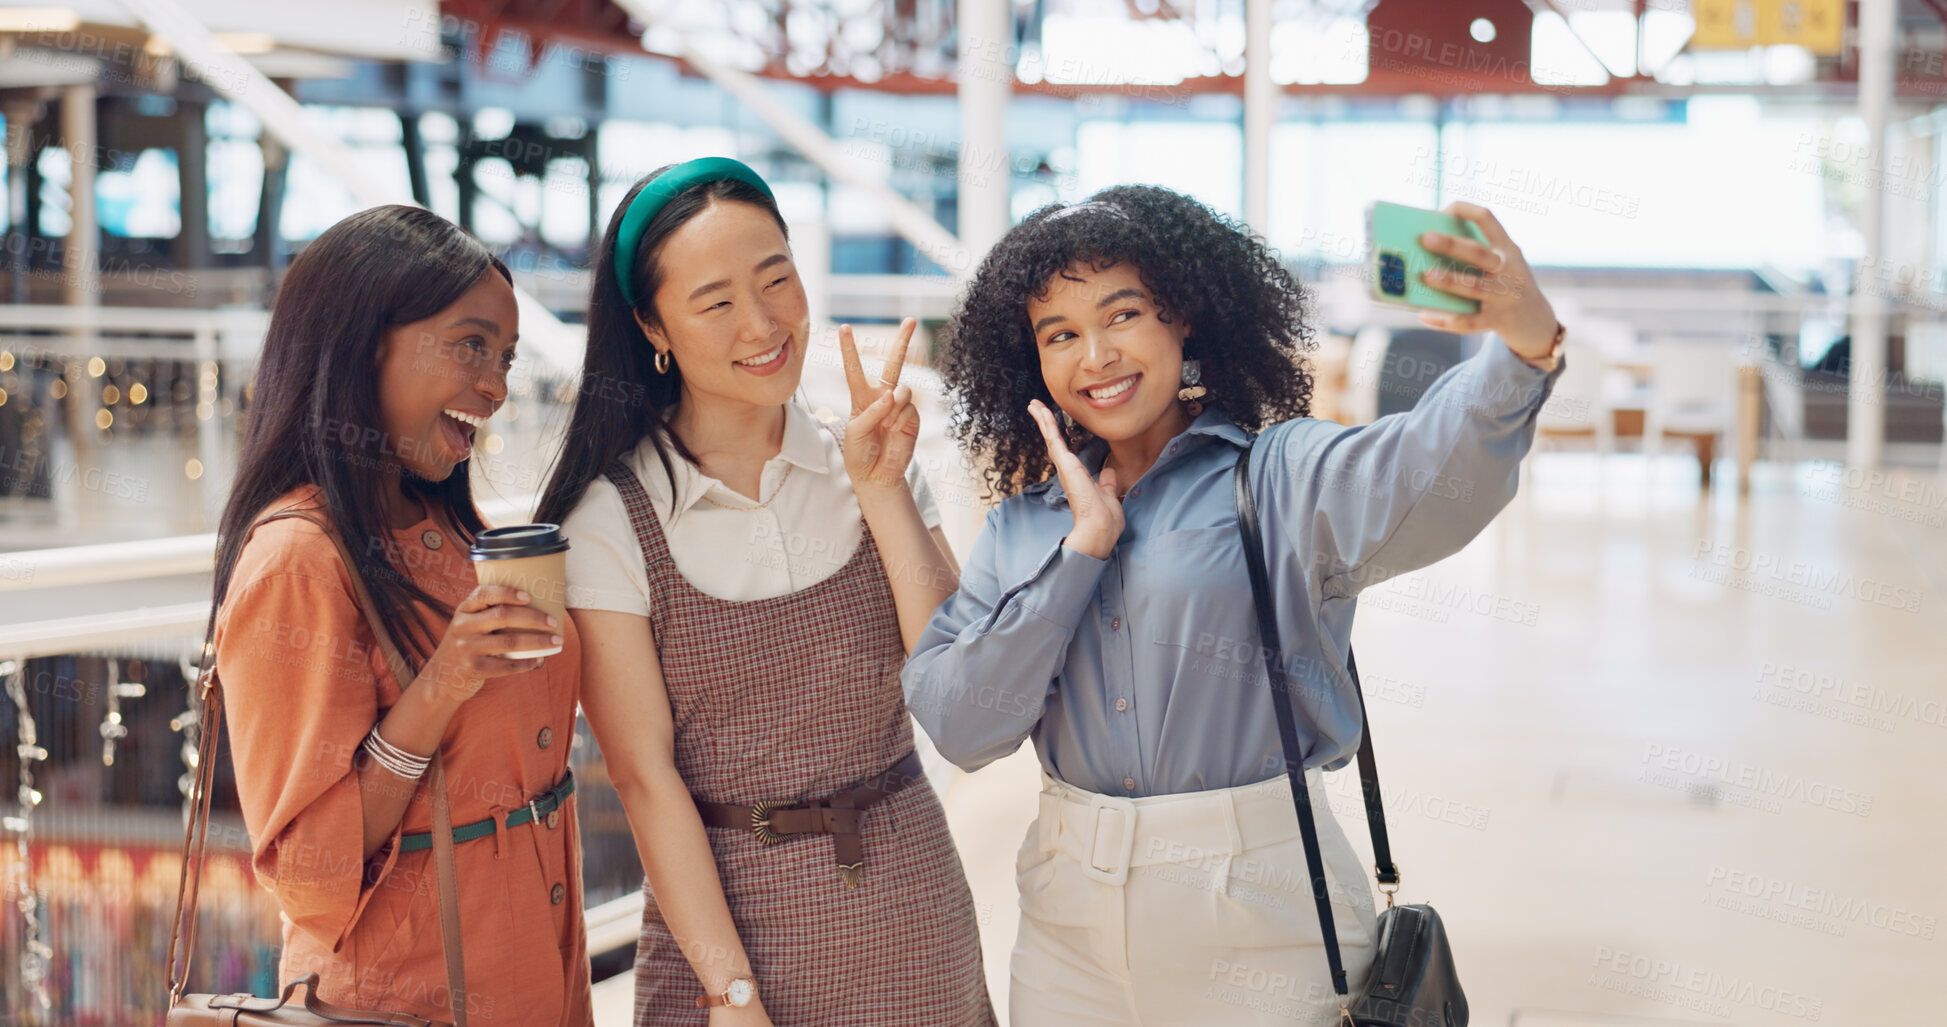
1247, 315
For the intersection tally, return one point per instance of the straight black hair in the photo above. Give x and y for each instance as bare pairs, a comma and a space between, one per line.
314, 416
622, 398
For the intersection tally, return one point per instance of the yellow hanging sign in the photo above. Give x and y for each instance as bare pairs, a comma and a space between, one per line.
1817, 25
1724, 24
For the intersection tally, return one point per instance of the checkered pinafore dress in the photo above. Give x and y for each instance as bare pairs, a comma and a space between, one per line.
794, 698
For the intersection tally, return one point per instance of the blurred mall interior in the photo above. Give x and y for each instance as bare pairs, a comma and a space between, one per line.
1664, 744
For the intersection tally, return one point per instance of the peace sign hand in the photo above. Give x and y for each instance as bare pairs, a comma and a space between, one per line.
884, 426
1097, 510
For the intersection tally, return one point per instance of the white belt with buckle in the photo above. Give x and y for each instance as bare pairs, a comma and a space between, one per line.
1109, 838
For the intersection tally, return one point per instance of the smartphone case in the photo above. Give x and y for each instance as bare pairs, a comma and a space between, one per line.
1395, 259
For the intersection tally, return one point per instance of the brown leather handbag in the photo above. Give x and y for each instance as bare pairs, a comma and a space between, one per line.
241, 1010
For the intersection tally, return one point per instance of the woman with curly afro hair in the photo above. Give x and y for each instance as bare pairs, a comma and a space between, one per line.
1112, 361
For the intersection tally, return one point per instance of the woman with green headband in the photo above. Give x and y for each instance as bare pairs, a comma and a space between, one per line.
747, 584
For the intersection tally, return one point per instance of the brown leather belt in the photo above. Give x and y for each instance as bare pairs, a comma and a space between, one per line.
840, 815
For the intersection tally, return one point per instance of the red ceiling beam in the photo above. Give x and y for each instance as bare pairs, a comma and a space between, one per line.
1413, 52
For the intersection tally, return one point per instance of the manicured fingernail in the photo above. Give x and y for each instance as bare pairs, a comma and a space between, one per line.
554, 622
521, 595
556, 639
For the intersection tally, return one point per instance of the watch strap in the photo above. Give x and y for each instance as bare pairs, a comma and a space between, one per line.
708, 1000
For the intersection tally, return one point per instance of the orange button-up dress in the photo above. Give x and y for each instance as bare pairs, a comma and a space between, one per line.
302, 684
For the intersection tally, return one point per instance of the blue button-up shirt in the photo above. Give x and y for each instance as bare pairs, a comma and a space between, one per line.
1141, 674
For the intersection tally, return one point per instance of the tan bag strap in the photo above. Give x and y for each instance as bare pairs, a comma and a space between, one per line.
196, 831
449, 895
196, 826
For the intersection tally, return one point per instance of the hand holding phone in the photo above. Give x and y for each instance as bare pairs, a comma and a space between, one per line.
1463, 273
1396, 258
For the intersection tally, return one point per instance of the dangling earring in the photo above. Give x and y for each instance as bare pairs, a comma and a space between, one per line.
1192, 391
1067, 421
662, 361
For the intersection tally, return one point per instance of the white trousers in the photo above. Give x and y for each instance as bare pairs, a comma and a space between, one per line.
1179, 910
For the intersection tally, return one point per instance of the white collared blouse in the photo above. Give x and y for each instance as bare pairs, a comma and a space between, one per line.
804, 525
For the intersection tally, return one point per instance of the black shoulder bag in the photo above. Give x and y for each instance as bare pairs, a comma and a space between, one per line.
1412, 983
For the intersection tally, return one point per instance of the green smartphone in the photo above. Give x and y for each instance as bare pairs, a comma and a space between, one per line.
1395, 258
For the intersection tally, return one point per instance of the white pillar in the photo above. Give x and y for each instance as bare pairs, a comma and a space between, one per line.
811, 255
81, 278
986, 69
80, 260
1260, 112
1865, 401
21, 114
217, 475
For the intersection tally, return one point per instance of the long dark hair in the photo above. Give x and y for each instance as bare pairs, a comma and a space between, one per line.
1249, 320
314, 417
622, 398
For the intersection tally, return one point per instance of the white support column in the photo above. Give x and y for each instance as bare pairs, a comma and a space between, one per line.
986, 74
81, 257
216, 477
81, 278
21, 114
811, 254
1260, 112
1866, 398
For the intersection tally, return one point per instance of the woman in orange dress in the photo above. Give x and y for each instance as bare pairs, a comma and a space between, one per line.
390, 342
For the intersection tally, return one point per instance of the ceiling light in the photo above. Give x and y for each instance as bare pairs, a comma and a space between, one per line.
38, 19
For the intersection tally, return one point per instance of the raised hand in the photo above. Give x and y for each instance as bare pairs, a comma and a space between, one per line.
1512, 306
1095, 505
884, 426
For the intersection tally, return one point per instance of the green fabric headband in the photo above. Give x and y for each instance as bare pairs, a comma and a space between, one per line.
664, 188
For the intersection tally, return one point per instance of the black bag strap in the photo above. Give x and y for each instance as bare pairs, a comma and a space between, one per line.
1384, 869
1271, 641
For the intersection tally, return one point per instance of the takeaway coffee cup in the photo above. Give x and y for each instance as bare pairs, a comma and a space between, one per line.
532, 557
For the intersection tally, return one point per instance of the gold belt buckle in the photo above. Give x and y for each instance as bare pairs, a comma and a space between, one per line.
760, 823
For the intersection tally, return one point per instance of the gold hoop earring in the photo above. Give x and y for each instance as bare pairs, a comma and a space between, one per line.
662, 361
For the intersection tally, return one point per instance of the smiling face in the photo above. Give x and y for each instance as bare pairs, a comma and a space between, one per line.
733, 310
1107, 356
442, 377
